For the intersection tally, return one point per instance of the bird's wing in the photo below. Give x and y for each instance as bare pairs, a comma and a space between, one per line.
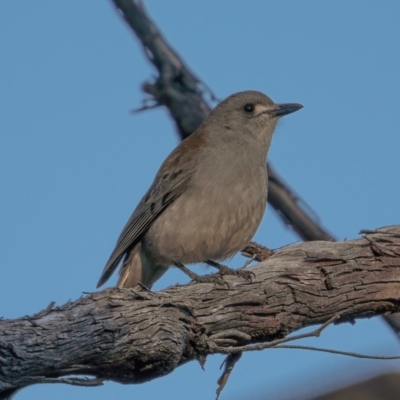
171, 181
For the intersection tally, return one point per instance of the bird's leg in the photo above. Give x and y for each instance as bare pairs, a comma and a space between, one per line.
212, 278
224, 270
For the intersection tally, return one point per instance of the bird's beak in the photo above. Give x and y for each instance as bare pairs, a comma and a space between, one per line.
285, 108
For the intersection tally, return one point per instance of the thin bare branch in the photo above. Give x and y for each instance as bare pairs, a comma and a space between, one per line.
261, 346
338, 352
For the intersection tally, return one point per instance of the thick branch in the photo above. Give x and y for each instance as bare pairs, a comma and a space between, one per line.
177, 88
133, 336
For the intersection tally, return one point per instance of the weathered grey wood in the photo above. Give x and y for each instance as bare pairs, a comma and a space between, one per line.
132, 336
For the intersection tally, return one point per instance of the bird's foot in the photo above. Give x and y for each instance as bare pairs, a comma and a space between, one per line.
217, 279
224, 270
242, 273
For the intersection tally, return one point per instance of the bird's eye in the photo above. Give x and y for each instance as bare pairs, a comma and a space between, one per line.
249, 108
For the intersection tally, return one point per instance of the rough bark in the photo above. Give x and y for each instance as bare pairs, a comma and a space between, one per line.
133, 336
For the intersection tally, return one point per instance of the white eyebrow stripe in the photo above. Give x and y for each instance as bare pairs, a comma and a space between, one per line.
259, 109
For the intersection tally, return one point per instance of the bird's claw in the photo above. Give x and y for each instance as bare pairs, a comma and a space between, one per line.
242, 273
217, 279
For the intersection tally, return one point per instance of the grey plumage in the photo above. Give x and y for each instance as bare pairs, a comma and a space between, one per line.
209, 196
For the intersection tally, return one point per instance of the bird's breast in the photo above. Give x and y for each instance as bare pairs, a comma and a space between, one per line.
210, 220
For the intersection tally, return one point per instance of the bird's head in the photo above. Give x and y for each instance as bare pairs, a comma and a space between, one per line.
249, 113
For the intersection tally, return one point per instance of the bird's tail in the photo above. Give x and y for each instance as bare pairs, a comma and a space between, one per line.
137, 268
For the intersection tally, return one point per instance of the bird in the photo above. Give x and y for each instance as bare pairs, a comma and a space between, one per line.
208, 197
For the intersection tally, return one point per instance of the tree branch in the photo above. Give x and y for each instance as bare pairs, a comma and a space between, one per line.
133, 335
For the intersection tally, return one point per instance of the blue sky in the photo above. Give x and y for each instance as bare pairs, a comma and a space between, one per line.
74, 161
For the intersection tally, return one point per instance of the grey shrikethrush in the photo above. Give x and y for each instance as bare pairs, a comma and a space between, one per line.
207, 199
